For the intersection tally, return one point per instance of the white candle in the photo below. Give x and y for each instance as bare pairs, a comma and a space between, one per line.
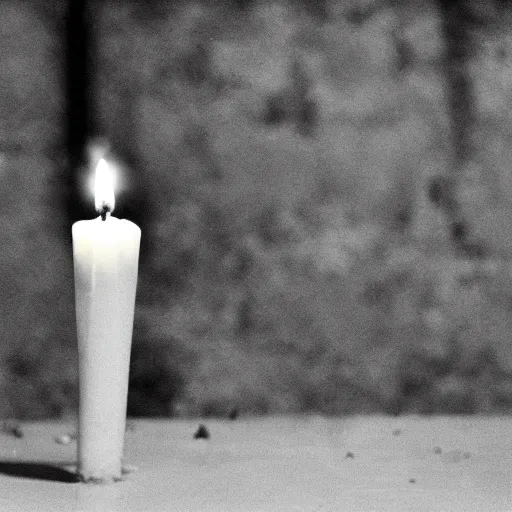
105, 255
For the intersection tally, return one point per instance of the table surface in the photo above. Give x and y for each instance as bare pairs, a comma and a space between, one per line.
274, 464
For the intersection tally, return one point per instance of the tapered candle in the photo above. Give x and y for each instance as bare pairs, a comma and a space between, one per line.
105, 256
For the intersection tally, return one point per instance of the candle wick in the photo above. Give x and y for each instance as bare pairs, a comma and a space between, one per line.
103, 212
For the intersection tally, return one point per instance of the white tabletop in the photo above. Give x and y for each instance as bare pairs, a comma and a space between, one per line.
274, 464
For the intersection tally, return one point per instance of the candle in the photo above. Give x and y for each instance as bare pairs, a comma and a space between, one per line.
105, 257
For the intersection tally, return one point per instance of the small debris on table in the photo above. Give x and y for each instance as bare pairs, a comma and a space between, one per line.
349, 455
397, 432
13, 429
202, 433
412, 480
437, 450
65, 439
17, 432
466, 455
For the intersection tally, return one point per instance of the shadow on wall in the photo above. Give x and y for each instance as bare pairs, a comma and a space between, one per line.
157, 374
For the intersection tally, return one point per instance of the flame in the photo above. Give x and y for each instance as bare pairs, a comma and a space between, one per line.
104, 187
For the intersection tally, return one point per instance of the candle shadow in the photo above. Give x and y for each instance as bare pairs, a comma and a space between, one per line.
38, 471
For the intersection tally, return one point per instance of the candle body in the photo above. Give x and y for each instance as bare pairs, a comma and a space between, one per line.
105, 256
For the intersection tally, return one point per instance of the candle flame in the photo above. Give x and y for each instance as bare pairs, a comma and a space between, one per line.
104, 187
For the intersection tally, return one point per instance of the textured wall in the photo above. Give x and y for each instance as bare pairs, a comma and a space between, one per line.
36, 308
292, 260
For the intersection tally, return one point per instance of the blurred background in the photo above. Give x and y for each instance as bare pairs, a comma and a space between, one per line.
323, 188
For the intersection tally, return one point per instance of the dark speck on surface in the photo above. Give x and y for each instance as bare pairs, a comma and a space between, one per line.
12, 429
349, 455
202, 433
17, 432
397, 432
438, 450
233, 414
412, 480
466, 455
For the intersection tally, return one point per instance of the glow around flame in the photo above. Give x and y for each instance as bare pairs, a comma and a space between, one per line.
104, 186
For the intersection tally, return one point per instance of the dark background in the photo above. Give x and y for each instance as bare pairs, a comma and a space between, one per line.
323, 190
